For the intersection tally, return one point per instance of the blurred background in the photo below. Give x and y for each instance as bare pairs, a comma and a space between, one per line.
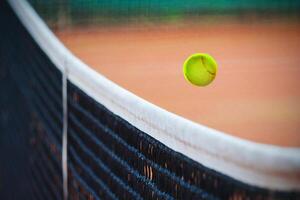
141, 45
70, 13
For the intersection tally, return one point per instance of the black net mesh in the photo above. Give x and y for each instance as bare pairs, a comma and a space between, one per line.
31, 116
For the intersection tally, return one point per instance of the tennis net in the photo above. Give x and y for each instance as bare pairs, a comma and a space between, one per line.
118, 145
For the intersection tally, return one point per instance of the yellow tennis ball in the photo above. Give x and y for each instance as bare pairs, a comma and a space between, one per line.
200, 69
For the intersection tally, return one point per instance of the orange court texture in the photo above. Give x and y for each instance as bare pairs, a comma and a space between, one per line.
256, 94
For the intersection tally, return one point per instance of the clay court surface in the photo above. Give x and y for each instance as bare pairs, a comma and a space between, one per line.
256, 94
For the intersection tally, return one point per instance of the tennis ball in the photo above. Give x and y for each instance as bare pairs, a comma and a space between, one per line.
200, 69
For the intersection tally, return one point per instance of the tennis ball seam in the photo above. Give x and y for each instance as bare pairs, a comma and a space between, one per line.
202, 60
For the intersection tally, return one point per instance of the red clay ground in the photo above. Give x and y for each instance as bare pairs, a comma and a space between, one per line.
256, 94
